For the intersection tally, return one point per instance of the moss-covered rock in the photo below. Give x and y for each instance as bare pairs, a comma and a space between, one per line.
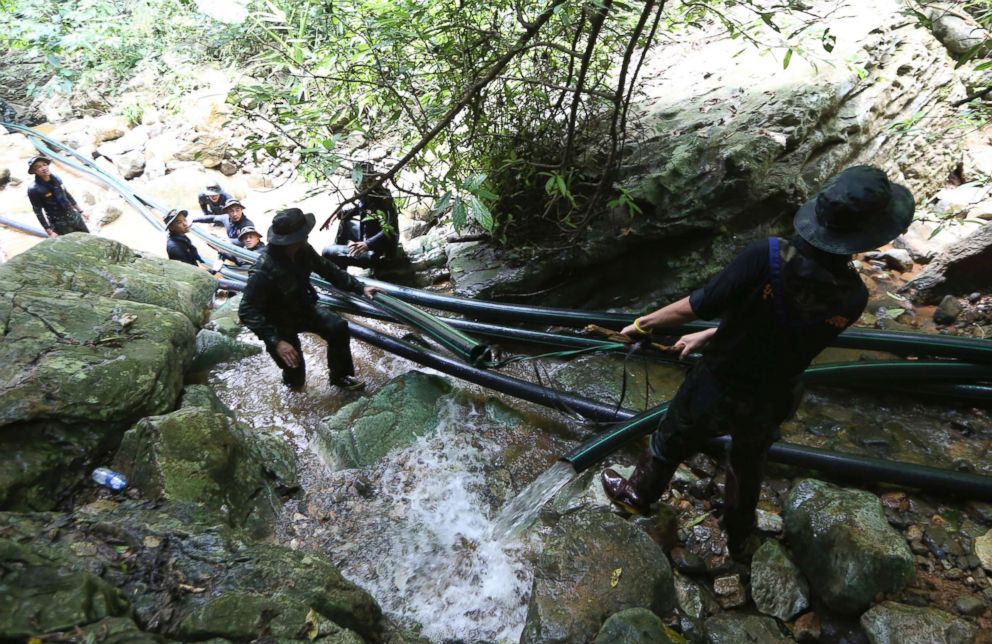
893, 623
777, 586
175, 576
214, 348
224, 318
91, 265
843, 544
196, 455
733, 628
363, 432
204, 397
95, 337
595, 564
636, 626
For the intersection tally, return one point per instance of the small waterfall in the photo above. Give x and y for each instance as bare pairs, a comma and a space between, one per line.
520, 513
433, 561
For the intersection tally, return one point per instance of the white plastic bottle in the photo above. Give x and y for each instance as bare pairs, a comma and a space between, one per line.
109, 478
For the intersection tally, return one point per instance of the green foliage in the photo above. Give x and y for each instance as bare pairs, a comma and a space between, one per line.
88, 42
330, 76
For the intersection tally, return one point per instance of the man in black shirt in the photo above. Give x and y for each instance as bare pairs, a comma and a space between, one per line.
279, 302
369, 232
780, 302
56, 209
178, 246
212, 200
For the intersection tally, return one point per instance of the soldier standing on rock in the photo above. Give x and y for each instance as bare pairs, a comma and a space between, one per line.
780, 303
56, 209
279, 302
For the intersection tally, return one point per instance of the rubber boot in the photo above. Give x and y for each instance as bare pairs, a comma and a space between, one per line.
644, 487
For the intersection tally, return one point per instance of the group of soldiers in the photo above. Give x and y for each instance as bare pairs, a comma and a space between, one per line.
780, 302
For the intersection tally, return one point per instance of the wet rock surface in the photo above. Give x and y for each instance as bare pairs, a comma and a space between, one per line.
173, 576
636, 626
96, 337
893, 623
363, 432
844, 545
594, 565
731, 628
778, 587
957, 270
214, 348
199, 456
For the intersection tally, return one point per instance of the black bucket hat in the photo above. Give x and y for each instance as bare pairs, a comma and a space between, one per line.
173, 215
290, 226
35, 159
857, 210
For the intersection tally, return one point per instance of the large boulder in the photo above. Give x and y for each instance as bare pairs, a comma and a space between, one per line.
200, 456
91, 265
735, 143
594, 565
362, 433
95, 337
893, 623
844, 546
176, 578
960, 269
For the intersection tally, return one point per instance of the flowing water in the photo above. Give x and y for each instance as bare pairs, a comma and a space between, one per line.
519, 514
439, 531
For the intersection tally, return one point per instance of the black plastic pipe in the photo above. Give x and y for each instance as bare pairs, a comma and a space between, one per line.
509, 385
836, 464
466, 347
831, 463
24, 228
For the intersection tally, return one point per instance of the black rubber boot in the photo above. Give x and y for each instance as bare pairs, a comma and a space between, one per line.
644, 487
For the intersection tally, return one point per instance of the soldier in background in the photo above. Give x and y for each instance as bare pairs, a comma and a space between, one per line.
56, 209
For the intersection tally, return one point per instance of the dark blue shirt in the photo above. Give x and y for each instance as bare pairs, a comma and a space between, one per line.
233, 229
180, 248
210, 207
52, 199
772, 327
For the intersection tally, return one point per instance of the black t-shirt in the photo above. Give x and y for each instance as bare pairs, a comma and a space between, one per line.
779, 309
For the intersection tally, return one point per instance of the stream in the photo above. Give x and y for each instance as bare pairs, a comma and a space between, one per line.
437, 532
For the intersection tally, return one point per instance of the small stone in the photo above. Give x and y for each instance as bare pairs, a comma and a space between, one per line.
948, 310
4, 177
898, 259
894, 500
807, 628
730, 591
687, 563
970, 605
769, 521
228, 167
914, 532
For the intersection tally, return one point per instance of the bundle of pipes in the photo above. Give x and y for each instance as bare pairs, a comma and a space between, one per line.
948, 374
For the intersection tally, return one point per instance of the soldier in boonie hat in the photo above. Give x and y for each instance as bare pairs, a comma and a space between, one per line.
780, 303
212, 201
858, 210
279, 302
57, 210
251, 238
178, 245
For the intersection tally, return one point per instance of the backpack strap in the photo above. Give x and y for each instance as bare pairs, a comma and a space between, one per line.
777, 284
